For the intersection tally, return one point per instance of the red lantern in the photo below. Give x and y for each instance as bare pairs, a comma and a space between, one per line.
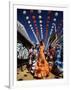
34, 21
35, 25
33, 17
36, 30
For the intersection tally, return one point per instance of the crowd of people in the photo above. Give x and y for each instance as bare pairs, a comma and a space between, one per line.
42, 62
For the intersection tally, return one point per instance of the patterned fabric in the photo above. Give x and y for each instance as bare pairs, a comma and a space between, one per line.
59, 62
41, 67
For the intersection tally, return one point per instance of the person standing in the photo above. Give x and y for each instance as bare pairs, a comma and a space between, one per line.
30, 57
41, 67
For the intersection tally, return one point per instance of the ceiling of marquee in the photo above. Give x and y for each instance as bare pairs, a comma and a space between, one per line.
41, 24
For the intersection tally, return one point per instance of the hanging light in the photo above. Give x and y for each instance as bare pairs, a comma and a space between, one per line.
54, 19
29, 22
52, 27
27, 17
32, 28
24, 12
56, 13
40, 21
53, 24
40, 16
36, 27
30, 25
41, 28
40, 25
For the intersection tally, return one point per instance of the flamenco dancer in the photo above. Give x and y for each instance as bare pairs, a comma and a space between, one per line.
41, 67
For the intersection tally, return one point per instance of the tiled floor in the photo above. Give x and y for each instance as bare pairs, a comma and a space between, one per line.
25, 75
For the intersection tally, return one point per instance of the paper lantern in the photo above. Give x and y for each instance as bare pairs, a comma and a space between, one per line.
24, 12
56, 13
35, 25
40, 25
54, 19
40, 21
29, 22
27, 17
30, 25
34, 21
32, 28
40, 16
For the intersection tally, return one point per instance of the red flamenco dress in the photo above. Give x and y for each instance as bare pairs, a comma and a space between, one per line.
42, 67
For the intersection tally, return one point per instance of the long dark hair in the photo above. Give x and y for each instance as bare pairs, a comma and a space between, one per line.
41, 42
